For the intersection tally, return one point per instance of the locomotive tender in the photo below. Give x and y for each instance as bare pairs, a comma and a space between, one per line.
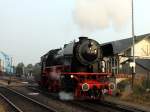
78, 69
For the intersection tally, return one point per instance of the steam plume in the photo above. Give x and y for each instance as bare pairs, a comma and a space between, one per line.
65, 96
95, 14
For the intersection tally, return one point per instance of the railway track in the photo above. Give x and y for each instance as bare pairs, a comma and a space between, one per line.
20, 103
8, 105
122, 108
107, 107
97, 106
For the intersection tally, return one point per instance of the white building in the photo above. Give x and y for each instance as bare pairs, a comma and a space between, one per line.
119, 63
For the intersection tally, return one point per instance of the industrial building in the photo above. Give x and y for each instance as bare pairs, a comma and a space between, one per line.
5, 63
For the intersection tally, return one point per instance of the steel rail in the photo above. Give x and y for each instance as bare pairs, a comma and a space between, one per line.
30, 100
17, 109
121, 107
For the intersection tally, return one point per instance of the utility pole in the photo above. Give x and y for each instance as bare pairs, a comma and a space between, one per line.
10, 74
147, 84
133, 42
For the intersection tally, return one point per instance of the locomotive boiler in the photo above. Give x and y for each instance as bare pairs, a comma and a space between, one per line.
76, 69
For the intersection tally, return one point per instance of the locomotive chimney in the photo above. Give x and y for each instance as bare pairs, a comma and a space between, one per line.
82, 38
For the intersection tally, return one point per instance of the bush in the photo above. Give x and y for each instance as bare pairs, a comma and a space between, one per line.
140, 86
123, 85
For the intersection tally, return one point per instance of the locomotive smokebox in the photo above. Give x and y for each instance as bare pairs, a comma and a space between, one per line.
87, 51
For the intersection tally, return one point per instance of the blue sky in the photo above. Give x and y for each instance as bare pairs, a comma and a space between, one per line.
30, 28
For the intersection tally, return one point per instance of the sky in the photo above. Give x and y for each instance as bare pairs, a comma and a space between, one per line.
30, 28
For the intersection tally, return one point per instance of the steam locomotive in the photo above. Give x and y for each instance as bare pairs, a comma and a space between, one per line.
77, 70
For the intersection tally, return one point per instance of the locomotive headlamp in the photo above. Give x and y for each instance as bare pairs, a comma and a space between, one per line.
72, 76
108, 76
85, 87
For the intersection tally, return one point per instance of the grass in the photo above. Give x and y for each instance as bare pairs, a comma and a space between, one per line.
138, 94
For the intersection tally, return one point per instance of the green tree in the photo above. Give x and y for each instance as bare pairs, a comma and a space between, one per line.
37, 71
20, 69
29, 68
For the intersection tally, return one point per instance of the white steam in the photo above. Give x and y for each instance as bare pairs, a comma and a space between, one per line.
66, 96
94, 14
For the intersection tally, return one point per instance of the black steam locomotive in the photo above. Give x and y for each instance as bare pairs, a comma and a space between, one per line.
76, 69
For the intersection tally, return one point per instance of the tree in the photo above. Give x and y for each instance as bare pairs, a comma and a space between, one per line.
20, 69
29, 68
37, 71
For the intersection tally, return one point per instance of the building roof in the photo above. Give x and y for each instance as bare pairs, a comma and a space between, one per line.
122, 45
144, 63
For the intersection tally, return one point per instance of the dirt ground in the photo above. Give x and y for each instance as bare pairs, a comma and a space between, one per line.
2, 108
121, 101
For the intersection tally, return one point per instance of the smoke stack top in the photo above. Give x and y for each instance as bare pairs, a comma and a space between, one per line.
82, 38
